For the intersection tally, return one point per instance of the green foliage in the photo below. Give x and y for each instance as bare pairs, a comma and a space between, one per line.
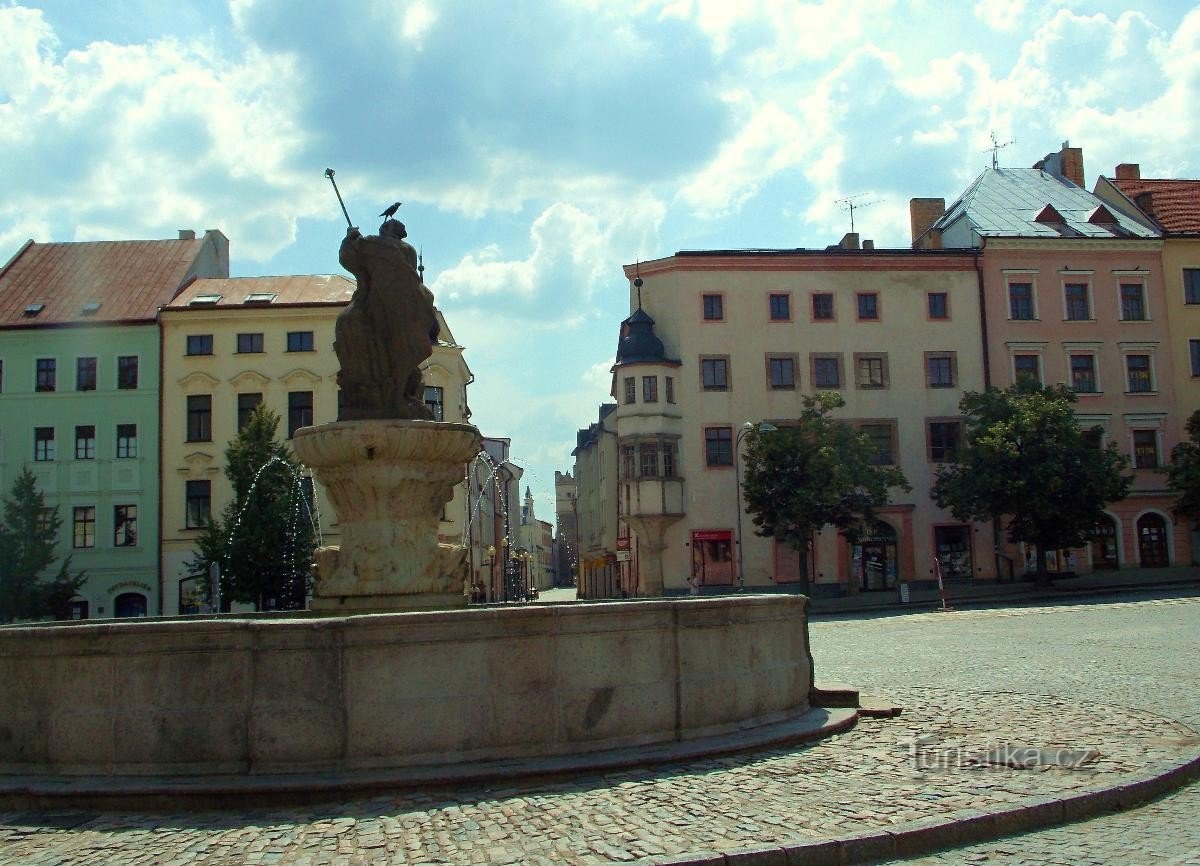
1183, 474
27, 537
1025, 458
264, 540
816, 472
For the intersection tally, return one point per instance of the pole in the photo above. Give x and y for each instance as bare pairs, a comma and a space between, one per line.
937, 572
214, 578
337, 192
737, 478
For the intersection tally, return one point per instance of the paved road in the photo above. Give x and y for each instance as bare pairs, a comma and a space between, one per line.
1114, 677
1140, 652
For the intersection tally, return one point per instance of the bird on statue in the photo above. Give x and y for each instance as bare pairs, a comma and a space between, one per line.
390, 210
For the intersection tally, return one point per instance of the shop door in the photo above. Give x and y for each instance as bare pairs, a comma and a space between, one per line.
1104, 544
1152, 541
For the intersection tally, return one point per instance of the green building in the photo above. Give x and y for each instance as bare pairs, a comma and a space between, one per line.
80, 379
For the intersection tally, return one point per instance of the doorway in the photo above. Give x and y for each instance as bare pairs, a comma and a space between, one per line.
1152, 541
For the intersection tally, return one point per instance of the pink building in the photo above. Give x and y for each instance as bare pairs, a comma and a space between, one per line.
1073, 293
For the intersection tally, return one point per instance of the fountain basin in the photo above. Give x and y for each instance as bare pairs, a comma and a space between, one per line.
285, 695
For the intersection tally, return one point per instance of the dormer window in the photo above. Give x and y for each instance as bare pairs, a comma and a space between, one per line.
1049, 215
259, 298
90, 308
33, 309
204, 301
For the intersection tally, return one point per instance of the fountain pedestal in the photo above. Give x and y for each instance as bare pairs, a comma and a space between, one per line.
388, 481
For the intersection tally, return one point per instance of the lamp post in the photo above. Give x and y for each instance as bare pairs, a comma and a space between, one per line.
491, 552
505, 568
761, 427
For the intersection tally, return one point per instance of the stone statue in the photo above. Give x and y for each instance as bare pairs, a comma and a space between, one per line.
387, 330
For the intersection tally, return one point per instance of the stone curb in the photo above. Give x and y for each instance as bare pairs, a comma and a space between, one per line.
929, 835
183, 793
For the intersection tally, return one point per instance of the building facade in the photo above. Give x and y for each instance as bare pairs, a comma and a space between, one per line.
1074, 293
80, 388
230, 345
565, 536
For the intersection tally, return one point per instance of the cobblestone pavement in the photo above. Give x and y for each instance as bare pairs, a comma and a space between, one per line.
1120, 679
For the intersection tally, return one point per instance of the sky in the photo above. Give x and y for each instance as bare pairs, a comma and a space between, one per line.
538, 146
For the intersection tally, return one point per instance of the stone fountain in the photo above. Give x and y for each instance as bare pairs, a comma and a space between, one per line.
384, 683
388, 467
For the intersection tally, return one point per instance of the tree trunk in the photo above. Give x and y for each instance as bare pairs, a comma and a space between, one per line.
1042, 574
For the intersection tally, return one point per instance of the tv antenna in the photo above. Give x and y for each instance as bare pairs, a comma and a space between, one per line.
996, 148
850, 204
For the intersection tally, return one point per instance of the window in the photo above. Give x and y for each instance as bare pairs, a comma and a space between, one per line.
939, 369
199, 344
822, 306
718, 446
43, 443
83, 523
199, 418
1133, 302
248, 343
127, 372
939, 306
127, 445
85, 442
871, 371
649, 389
246, 404
124, 525
1028, 367
1191, 285
879, 435
781, 372
85, 374
668, 459
1145, 449
627, 462
1020, 301
433, 402
714, 308
1137, 369
868, 305
1077, 306
630, 390
199, 502
1194, 352
300, 411
648, 460
827, 371
781, 308
943, 440
47, 374
714, 374
670, 388
1083, 374
300, 341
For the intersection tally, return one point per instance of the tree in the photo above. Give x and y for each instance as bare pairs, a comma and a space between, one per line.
265, 539
816, 472
1025, 458
27, 538
1183, 473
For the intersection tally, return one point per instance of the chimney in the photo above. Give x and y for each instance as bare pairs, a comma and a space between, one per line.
868, 244
849, 241
922, 214
187, 234
1129, 171
1071, 161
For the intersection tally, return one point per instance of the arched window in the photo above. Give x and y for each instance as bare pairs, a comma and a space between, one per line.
129, 604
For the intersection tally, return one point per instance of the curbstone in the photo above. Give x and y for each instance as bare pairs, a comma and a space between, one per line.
873, 846
826, 852
767, 856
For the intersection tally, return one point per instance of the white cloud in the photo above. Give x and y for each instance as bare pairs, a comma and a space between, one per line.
1004, 15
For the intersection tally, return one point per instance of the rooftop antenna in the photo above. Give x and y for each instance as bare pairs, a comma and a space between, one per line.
996, 147
849, 203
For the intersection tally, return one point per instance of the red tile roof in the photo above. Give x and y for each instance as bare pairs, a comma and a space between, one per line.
233, 291
1175, 203
129, 279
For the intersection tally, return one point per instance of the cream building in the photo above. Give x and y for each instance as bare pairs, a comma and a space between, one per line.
721, 339
230, 344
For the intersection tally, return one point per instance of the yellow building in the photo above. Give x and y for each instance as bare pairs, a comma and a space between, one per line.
231, 344
719, 340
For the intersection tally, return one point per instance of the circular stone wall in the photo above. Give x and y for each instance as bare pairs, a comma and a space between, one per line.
287, 695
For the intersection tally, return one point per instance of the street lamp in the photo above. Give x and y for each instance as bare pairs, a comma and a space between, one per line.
491, 552
761, 427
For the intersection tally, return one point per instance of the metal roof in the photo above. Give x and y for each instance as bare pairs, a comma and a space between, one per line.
128, 280
1006, 202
